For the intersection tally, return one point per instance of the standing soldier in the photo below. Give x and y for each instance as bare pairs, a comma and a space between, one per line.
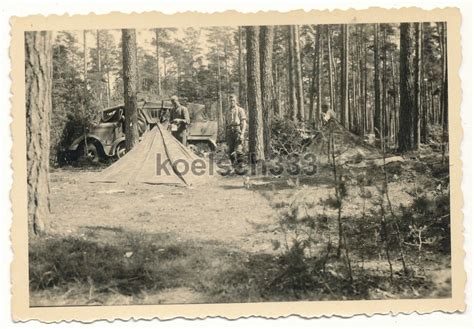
236, 125
179, 120
329, 120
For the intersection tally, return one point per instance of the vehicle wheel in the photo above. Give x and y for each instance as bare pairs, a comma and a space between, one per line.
200, 148
89, 153
120, 150
194, 148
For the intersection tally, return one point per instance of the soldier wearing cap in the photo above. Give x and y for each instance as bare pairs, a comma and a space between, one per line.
236, 123
329, 120
179, 120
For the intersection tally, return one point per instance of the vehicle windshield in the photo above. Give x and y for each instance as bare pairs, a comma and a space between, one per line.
111, 115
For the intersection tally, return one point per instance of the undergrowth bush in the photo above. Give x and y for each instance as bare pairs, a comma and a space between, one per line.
128, 268
288, 138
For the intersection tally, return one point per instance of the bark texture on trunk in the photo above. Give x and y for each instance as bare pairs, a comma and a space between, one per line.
38, 84
416, 109
330, 71
242, 91
266, 57
130, 86
256, 142
291, 76
298, 74
344, 78
317, 115
377, 107
407, 88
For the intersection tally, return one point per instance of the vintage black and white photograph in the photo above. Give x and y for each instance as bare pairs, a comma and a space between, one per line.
238, 164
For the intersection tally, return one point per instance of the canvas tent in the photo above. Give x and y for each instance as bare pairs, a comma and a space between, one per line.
158, 159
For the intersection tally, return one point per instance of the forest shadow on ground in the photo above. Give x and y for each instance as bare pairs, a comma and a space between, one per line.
101, 266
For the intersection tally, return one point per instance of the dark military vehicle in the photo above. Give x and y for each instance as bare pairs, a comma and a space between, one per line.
106, 140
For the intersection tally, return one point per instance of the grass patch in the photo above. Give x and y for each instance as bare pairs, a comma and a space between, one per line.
131, 267
127, 268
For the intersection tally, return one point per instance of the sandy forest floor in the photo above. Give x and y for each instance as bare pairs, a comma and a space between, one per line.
203, 239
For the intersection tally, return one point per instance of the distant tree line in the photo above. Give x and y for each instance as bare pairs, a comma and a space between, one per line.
384, 79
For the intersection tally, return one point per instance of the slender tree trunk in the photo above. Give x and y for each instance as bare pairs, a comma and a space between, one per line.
298, 75
317, 116
407, 95
291, 76
353, 110
242, 97
377, 109
220, 118
315, 90
158, 73
130, 88
85, 93
228, 86
85, 63
384, 107
38, 85
165, 72
367, 113
266, 56
312, 87
107, 76
445, 88
344, 78
424, 98
256, 141
394, 111
433, 103
99, 66
330, 66
416, 109
276, 91
362, 86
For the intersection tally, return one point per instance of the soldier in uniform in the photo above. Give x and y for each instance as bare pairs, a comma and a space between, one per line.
179, 120
236, 123
329, 120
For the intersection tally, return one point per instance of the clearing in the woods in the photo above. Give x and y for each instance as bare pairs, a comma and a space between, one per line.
151, 244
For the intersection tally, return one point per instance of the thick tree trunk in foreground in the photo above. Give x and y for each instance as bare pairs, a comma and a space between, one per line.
266, 54
38, 83
407, 88
130, 86
256, 144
